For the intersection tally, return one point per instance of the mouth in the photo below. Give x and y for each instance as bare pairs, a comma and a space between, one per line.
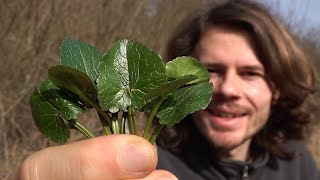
228, 115
226, 119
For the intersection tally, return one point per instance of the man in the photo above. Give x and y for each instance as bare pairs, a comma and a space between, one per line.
252, 129
258, 115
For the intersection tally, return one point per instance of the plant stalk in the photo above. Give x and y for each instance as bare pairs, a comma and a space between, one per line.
82, 129
155, 133
151, 116
105, 126
132, 121
115, 124
124, 120
105, 115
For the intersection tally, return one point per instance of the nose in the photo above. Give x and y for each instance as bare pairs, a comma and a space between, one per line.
227, 85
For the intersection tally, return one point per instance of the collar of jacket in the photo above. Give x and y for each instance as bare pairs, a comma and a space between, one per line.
199, 156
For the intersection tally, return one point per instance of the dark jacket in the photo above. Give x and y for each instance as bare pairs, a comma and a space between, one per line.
196, 164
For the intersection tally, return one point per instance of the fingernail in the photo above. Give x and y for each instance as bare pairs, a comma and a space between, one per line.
136, 158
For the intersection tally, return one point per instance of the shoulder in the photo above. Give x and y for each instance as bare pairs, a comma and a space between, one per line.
170, 162
303, 155
296, 145
303, 165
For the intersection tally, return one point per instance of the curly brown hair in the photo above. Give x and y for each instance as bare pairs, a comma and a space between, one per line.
287, 68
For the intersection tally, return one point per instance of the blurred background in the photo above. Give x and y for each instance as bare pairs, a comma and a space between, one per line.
31, 33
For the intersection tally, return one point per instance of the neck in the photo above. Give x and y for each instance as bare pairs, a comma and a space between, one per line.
239, 153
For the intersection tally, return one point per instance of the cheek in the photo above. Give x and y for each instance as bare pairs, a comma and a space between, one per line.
197, 118
260, 98
259, 95
201, 120
214, 79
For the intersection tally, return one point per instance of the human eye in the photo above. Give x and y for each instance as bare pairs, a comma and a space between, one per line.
251, 75
214, 71
211, 70
251, 72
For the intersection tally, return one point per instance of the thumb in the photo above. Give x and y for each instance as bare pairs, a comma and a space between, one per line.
107, 157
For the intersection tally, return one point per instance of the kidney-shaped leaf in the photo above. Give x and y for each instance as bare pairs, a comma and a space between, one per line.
81, 56
128, 71
184, 66
169, 87
184, 101
72, 79
50, 106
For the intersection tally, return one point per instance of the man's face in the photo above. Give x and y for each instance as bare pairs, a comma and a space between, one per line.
241, 99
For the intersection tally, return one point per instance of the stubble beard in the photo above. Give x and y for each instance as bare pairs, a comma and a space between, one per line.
222, 139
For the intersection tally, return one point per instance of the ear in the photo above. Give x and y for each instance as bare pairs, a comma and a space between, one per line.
275, 93
275, 96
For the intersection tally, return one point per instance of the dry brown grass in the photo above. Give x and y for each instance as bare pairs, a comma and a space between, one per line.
30, 36
31, 33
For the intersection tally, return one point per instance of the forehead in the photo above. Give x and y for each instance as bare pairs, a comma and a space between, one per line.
226, 44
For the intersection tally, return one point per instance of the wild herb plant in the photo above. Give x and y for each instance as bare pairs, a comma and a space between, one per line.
128, 79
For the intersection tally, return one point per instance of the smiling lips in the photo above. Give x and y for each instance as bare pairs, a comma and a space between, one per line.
226, 119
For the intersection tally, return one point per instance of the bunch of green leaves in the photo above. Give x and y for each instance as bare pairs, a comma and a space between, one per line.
129, 78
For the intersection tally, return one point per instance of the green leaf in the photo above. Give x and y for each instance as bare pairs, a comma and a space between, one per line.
184, 101
128, 71
81, 56
50, 106
184, 66
169, 87
73, 80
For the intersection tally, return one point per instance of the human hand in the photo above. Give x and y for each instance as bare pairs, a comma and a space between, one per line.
112, 157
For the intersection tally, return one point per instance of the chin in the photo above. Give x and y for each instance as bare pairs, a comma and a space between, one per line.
225, 136
224, 140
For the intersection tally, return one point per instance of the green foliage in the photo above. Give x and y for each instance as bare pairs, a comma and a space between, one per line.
128, 78
184, 101
81, 56
127, 72
184, 66
50, 107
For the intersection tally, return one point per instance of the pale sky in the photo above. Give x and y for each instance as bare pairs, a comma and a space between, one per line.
305, 12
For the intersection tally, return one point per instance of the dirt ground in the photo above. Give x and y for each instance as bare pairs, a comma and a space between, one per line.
30, 36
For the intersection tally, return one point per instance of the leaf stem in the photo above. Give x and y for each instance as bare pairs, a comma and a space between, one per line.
82, 129
124, 123
132, 121
115, 124
105, 126
99, 110
151, 116
155, 133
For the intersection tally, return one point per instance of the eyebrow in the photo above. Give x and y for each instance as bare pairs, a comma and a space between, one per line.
245, 67
253, 67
